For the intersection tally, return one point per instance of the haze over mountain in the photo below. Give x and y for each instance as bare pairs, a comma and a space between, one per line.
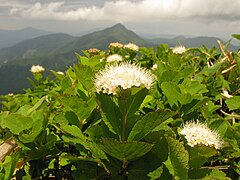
191, 41
11, 37
56, 51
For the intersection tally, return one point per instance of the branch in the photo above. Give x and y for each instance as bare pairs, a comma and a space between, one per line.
6, 148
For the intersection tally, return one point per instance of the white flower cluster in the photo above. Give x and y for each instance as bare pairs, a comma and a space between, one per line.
114, 58
131, 46
93, 51
154, 67
115, 45
37, 69
197, 133
179, 50
10, 94
124, 75
60, 73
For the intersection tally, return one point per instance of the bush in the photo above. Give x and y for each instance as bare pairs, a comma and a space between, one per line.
153, 114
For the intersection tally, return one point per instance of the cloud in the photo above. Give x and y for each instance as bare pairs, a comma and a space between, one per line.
125, 10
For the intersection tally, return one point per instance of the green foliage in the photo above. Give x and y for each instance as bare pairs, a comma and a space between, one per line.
66, 130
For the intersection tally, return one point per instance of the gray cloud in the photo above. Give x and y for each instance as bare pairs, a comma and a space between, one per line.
126, 11
192, 17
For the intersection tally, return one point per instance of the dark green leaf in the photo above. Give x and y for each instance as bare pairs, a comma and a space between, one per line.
79, 138
132, 102
148, 123
16, 123
80, 107
200, 155
37, 127
124, 151
156, 173
111, 113
85, 76
233, 103
174, 95
179, 158
237, 36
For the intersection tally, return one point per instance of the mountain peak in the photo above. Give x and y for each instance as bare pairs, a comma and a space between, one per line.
119, 25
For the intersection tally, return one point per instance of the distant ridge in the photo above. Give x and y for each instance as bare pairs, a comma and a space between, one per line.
11, 37
55, 51
190, 42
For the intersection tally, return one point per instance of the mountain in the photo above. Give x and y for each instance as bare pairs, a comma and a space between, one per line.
55, 51
190, 42
55, 44
11, 37
34, 47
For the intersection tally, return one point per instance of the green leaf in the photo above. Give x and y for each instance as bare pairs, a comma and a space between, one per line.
233, 102
72, 118
216, 174
16, 123
199, 155
74, 131
148, 123
156, 173
37, 105
85, 76
79, 138
179, 158
174, 95
37, 127
124, 151
9, 165
213, 69
79, 106
111, 113
83, 60
132, 101
87, 170
170, 75
237, 36
220, 126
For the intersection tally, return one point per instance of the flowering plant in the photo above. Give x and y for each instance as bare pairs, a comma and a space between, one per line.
155, 114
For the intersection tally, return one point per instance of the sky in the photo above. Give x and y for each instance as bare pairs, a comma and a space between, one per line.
219, 18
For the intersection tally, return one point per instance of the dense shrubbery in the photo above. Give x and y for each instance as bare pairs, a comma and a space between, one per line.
142, 114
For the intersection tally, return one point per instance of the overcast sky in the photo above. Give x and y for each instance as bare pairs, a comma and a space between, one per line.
219, 18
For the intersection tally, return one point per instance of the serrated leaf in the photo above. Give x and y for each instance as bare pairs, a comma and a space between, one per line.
37, 127
179, 158
74, 131
79, 138
111, 113
171, 91
233, 103
124, 151
81, 108
220, 126
133, 100
216, 174
148, 123
199, 155
174, 94
85, 76
16, 123
156, 173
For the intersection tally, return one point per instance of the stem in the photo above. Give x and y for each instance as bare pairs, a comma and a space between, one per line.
124, 122
123, 99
